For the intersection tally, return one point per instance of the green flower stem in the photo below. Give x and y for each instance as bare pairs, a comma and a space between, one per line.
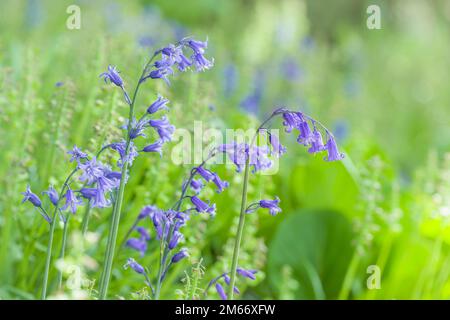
63, 248
237, 243
349, 276
111, 245
50, 238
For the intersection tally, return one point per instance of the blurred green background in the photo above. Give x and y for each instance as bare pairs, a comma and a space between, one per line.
384, 93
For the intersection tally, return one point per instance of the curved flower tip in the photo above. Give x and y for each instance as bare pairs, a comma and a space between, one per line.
131, 263
28, 195
272, 205
333, 152
113, 76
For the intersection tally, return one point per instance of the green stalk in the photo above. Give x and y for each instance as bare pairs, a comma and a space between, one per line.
63, 249
50, 238
349, 277
111, 246
237, 244
85, 222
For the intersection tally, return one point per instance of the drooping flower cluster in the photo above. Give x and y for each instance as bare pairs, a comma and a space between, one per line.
272, 205
173, 56
311, 137
225, 277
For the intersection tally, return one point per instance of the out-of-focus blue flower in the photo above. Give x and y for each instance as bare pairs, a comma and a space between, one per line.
154, 147
230, 75
113, 76
147, 211
143, 232
250, 274
139, 245
159, 104
202, 206
340, 131
183, 253
164, 128
134, 265
221, 291
28, 195
52, 195
71, 201
77, 154
291, 69
333, 152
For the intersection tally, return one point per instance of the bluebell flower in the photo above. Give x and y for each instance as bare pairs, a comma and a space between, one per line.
259, 158
120, 147
204, 173
202, 206
200, 62
139, 245
113, 76
175, 239
272, 205
159, 104
237, 153
316, 142
196, 185
164, 128
28, 195
52, 195
277, 147
305, 135
77, 154
221, 291
147, 211
143, 232
183, 253
134, 265
290, 121
96, 197
137, 128
247, 273
333, 152
154, 147
91, 171
71, 201
221, 185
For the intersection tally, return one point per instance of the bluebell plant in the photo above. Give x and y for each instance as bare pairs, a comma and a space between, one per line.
98, 184
244, 156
